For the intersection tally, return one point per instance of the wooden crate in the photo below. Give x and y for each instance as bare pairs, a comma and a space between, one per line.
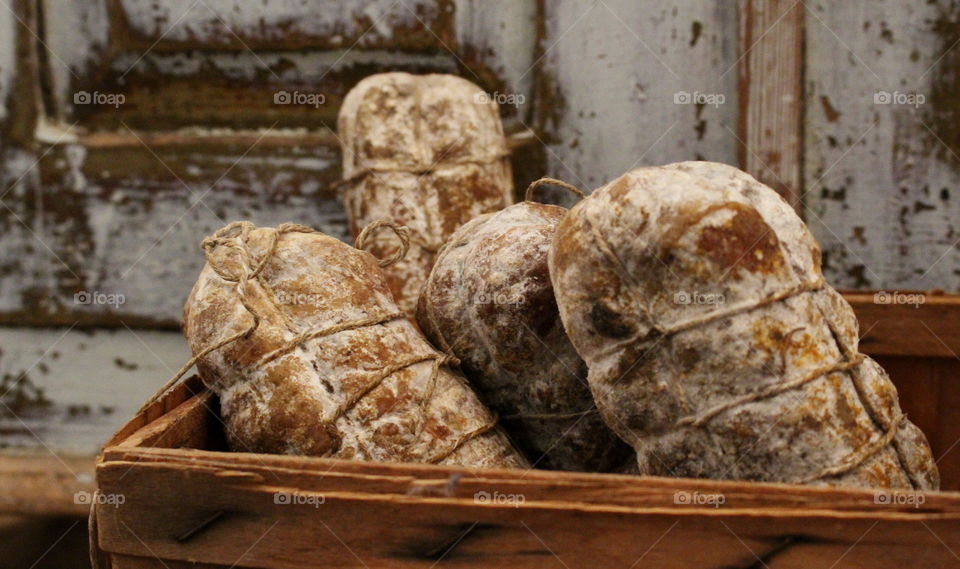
187, 503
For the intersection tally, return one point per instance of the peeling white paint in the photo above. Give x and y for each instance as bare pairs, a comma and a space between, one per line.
74, 179
52, 132
19, 248
76, 37
96, 380
306, 67
600, 56
217, 20
502, 34
875, 172
151, 255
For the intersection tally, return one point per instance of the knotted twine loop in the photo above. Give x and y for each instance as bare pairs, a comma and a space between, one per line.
401, 231
545, 181
227, 237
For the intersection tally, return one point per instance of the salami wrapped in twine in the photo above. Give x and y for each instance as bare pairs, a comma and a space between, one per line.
427, 152
714, 346
489, 302
300, 337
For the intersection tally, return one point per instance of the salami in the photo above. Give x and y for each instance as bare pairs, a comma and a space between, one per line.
489, 302
426, 151
714, 346
300, 337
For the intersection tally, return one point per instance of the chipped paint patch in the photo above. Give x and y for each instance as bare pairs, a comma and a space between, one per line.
600, 54
875, 169
65, 389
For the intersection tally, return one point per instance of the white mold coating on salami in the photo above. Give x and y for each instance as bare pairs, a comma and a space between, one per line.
489, 302
694, 294
427, 152
321, 395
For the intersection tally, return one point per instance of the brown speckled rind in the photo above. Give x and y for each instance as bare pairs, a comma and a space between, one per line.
626, 265
437, 157
289, 405
490, 303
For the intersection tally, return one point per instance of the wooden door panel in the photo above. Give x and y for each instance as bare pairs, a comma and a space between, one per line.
411, 25
161, 122
121, 226
628, 84
882, 142
227, 63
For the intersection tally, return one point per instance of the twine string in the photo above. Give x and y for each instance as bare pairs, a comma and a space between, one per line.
857, 458
772, 391
234, 236
402, 232
546, 181
464, 439
850, 359
365, 171
548, 416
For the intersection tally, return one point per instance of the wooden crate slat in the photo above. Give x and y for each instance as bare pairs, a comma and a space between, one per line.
45, 484
311, 472
413, 531
946, 438
929, 329
615, 491
413, 513
133, 562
